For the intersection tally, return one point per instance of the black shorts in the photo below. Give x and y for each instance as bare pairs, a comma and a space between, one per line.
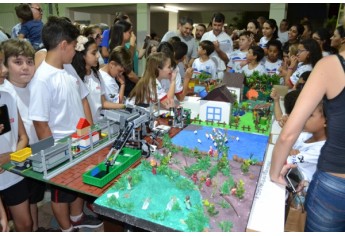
36, 190
16, 194
61, 195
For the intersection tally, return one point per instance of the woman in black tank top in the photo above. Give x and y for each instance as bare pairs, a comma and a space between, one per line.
325, 201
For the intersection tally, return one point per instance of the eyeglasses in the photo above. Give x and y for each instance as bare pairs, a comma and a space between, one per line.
300, 51
38, 9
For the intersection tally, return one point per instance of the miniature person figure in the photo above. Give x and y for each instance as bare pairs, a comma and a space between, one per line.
188, 203
153, 163
195, 178
129, 178
208, 181
211, 151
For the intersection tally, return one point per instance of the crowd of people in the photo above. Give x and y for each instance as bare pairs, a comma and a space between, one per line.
54, 73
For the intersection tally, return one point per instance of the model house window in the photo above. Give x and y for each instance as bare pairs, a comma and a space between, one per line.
214, 113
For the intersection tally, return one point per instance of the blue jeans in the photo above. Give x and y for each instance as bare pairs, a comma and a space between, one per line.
325, 203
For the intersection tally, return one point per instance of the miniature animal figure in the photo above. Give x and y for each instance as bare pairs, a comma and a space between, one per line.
199, 141
188, 203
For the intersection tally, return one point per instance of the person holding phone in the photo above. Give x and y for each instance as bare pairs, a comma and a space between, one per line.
306, 150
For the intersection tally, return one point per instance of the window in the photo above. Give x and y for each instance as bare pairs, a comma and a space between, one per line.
214, 113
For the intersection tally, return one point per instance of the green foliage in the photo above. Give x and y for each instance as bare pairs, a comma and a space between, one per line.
166, 141
186, 152
240, 189
173, 149
159, 215
157, 155
245, 166
224, 204
226, 226
213, 171
203, 163
258, 81
176, 206
226, 170
191, 169
227, 185
162, 169
185, 184
203, 76
113, 201
211, 210
197, 221
146, 164
222, 163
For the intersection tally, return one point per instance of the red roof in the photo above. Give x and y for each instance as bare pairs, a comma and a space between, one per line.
82, 123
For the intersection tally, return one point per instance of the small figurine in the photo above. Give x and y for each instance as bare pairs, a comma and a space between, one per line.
195, 132
210, 151
215, 144
208, 181
237, 139
195, 178
211, 136
207, 135
153, 163
129, 178
199, 141
146, 204
170, 204
188, 203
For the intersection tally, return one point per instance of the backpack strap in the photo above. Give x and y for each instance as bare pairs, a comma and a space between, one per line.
342, 61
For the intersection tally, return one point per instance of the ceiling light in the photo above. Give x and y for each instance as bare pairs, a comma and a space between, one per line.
171, 9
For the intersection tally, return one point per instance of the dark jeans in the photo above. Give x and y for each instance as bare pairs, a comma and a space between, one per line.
325, 203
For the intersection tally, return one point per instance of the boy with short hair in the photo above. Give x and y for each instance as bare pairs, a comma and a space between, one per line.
13, 194
203, 64
57, 102
181, 86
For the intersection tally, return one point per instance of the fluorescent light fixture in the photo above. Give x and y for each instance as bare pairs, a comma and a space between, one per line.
171, 9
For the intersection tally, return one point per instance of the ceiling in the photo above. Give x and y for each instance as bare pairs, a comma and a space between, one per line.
158, 7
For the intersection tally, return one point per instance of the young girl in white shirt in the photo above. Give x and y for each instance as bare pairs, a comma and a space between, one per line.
309, 53
270, 32
149, 89
85, 62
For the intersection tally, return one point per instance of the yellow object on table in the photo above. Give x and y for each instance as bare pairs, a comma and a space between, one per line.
21, 155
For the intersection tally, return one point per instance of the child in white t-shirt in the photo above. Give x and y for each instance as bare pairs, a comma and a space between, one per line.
254, 56
85, 62
58, 99
238, 58
272, 60
306, 150
204, 64
19, 59
16, 139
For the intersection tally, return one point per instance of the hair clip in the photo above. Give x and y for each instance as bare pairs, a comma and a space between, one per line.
81, 40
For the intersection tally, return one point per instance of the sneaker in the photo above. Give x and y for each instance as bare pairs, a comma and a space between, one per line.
88, 221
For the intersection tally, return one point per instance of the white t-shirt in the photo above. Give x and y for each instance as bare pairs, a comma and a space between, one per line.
165, 83
301, 68
23, 102
207, 66
263, 41
283, 37
56, 97
272, 67
161, 94
225, 44
96, 90
111, 88
308, 157
9, 140
236, 57
248, 72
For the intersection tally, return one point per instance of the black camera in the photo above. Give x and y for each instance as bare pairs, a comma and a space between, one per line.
5, 119
293, 177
